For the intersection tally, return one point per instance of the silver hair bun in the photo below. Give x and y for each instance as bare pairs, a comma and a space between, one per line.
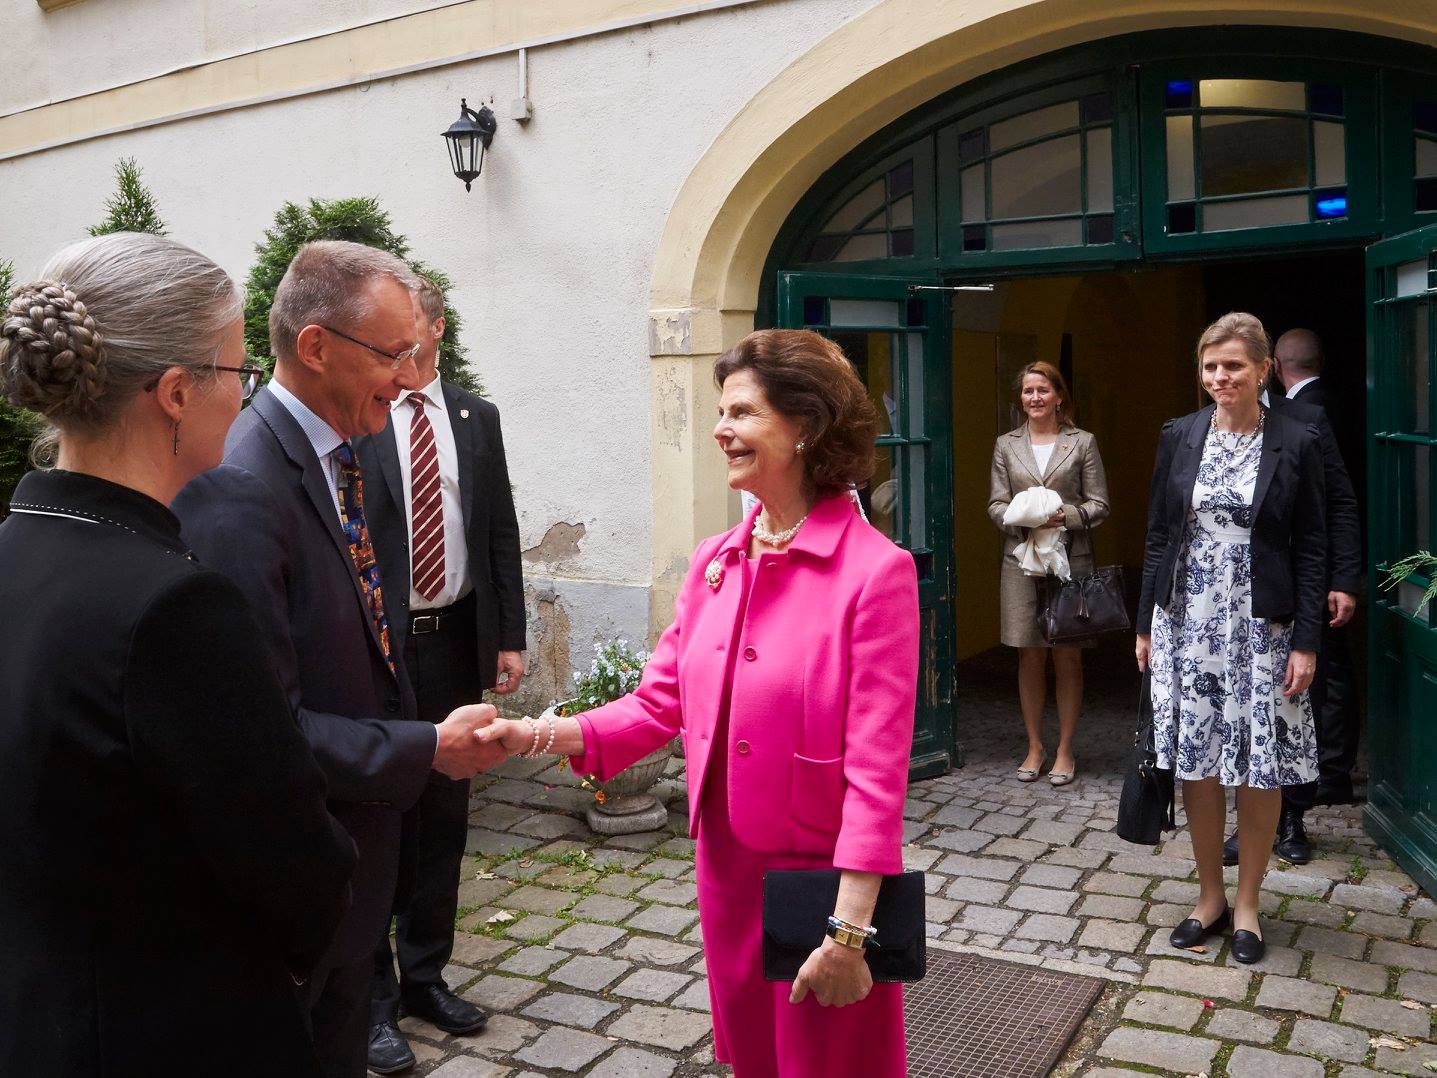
52, 354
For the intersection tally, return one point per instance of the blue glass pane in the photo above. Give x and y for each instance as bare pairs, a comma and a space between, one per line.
900, 181
973, 145
1424, 116
975, 238
1182, 218
1096, 108
901, 243
1325, 98
1179, 94
1426, 195
814, 311
1329, 204
1100, 229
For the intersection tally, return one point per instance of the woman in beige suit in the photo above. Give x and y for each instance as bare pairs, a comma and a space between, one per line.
1047, 450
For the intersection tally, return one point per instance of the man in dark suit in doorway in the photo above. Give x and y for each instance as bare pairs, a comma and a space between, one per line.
285, 516
447, 540
1298, 390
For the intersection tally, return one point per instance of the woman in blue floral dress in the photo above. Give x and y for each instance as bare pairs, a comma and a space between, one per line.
1234, 586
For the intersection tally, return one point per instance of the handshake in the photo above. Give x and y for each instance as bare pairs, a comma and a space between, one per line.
473, 738
462, 753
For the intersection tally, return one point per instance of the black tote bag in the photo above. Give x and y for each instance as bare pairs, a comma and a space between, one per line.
1146, 807
1086, 605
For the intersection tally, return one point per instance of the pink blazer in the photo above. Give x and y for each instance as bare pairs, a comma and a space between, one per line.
825, 675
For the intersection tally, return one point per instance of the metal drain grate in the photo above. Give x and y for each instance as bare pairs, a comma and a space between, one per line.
974, 1017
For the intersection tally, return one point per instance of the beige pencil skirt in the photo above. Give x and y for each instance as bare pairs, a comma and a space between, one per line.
1018, 602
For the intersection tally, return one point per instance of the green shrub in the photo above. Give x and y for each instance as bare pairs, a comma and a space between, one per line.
359, 220
132, 208
18, 428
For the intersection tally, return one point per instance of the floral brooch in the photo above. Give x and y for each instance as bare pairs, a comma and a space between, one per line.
713, 575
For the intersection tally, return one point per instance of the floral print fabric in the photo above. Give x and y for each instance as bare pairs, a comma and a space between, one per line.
1217, 671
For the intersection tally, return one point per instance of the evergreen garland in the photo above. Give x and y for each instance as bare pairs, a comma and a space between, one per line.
359, 220
132, 209
18, 428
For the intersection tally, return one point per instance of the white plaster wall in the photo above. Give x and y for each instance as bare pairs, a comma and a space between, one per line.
96, 44
551, 254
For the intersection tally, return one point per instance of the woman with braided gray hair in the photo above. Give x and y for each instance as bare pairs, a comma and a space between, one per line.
168, 870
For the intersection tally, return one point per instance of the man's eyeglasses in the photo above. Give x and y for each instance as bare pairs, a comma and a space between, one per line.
396, 359
249, 378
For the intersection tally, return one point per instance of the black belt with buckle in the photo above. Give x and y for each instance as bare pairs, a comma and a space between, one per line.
434, 620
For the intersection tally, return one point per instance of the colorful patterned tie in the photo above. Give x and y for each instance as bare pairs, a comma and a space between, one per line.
426, 511
361, 550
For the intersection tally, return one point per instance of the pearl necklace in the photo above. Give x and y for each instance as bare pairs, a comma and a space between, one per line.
768, 538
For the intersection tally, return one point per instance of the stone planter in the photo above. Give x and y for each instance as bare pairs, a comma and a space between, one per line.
628, 808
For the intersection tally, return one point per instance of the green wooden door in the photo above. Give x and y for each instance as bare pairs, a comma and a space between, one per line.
1402, 691
897, 337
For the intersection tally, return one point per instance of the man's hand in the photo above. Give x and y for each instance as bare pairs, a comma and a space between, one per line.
835, 974
460, 754
511, 672
1341, 605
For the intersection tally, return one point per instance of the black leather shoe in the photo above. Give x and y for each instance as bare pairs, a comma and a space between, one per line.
1192, 932
1229, 850
435, 1003
1292, 842
388, 1050
1336, 794
1247, 946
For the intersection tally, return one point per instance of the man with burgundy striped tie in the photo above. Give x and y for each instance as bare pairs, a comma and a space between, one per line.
447, 541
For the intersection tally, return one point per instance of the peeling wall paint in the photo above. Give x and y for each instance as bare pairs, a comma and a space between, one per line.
560, 543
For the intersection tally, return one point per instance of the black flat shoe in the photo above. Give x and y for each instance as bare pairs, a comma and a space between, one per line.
1247, 946
436, 1004
389, 1052
1230, 850
1192, 932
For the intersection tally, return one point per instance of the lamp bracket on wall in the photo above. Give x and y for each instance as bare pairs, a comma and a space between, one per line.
950, 288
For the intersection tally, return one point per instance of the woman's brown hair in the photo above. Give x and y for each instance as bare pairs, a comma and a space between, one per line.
809, 379
1055, 379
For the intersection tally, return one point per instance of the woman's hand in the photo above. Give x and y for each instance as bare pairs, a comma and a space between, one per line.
835, 974
1143, 650
1057, 520
513, 735
1301, 665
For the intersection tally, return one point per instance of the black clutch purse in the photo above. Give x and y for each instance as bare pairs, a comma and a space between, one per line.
1146, 808
796, 908
1088, 604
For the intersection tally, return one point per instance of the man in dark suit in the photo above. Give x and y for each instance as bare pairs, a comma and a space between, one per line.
1297, 390
447, 540
284, 516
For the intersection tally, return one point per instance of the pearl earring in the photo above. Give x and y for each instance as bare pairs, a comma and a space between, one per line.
799, 447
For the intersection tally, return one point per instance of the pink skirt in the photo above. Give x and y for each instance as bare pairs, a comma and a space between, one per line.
756, 1029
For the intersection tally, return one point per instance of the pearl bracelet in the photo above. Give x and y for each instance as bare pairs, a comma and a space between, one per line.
534, 748
553, 731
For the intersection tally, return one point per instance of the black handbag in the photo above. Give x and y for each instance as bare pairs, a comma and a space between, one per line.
796, 908
1088, 604
1146, 808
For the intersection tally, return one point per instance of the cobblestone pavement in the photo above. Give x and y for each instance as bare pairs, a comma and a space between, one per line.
588, 953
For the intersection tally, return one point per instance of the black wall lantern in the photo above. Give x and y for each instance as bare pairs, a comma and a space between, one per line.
468, 138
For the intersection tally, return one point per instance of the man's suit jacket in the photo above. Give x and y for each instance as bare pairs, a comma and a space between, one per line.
1314, 394
1289, 522
265, 518
1344, 520
491, 529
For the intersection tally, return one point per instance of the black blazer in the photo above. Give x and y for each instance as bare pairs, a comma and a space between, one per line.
491, 528
166, 860
1289, 532
1345, 571
266, 519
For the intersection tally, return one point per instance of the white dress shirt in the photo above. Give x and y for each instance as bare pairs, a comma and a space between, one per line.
324, 438
1300, 386
456, 551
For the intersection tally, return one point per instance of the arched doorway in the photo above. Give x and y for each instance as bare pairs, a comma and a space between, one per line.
1112, 199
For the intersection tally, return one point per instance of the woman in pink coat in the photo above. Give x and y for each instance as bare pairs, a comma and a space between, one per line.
790, 670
